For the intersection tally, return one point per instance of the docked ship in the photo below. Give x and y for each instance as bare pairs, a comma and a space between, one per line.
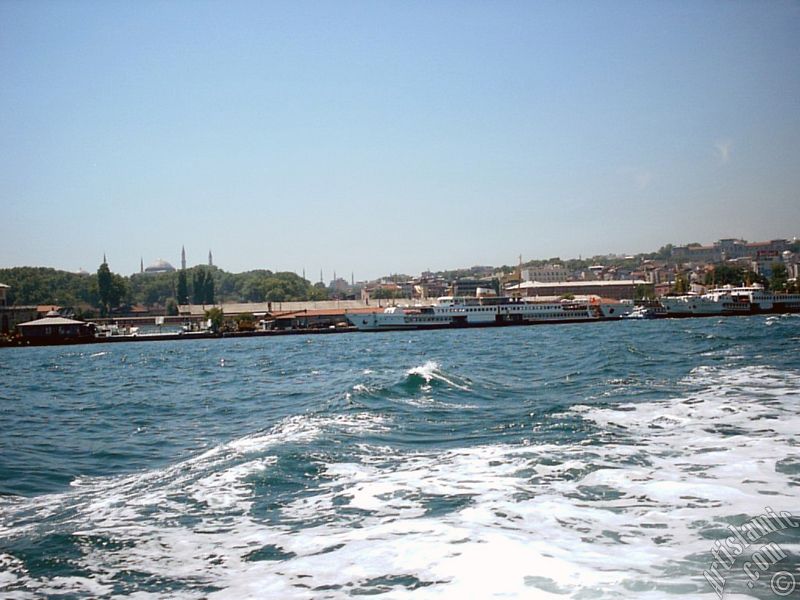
699, 305
455, 311
729, 300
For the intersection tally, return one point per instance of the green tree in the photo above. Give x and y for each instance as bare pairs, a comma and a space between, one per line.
208, 292
727, 275
644, 292
681, 284
112, 290
198, 286
665, 252
203, 287
216, 317
245, 322
151, 289
105, 284
171, 308
41, 285
119, 291
750, 277
780, 277
183, 288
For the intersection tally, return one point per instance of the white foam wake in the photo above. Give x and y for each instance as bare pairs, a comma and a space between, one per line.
625, 513
187, 522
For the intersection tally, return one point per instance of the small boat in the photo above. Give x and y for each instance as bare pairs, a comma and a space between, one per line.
642, 312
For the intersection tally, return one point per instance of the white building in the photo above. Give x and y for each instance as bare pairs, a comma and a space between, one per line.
546, 274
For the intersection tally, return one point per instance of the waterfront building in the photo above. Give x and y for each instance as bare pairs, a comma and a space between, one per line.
55, 328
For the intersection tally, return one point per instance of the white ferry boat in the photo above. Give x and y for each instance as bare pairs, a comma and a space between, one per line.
761, 300
729, 300
694, 305
450, 311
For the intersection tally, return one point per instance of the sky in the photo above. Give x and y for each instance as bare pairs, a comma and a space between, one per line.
392, 137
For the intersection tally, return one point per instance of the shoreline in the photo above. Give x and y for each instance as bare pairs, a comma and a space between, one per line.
184, 336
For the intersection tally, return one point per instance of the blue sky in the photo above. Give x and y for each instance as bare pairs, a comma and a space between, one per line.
379, 137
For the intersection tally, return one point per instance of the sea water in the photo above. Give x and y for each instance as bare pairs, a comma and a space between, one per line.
597, 460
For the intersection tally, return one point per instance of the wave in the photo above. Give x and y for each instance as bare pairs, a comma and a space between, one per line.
630, 511
431, 373
164, 523
418, 386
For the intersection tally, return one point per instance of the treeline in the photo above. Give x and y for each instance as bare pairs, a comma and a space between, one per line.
41, 285
731, 275
108, 292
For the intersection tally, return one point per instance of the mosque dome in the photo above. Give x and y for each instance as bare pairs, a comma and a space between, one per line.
160, 266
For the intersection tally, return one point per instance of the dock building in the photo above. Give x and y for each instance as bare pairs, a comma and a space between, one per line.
56, 329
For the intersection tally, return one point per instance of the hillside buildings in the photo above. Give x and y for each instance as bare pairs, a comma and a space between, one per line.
728, 249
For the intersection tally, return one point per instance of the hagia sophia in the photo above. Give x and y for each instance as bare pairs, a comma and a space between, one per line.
162, 266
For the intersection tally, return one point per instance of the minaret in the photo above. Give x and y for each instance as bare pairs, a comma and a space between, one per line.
183, 258
334, 275
320, 276
141, 265
210, 262
105, 262
352, 280
304, 272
